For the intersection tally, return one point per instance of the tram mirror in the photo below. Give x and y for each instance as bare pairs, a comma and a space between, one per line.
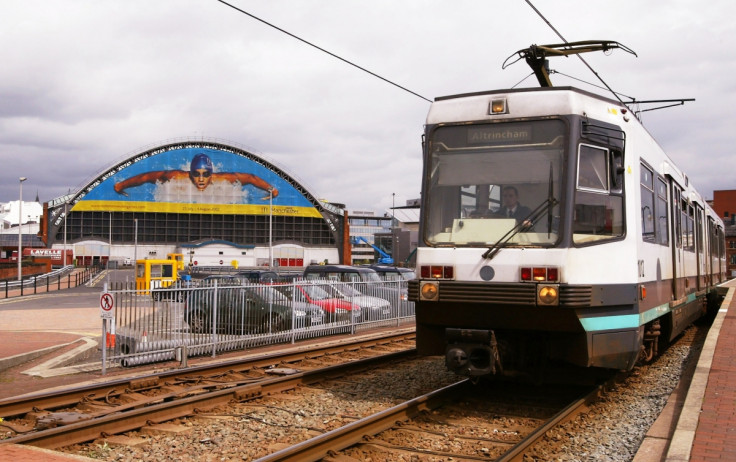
617, 169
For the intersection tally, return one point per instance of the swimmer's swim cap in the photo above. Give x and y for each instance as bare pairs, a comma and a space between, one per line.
201, 162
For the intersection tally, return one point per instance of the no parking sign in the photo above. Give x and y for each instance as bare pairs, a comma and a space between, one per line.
107, 303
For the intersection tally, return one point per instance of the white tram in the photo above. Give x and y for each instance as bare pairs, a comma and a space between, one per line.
614, 254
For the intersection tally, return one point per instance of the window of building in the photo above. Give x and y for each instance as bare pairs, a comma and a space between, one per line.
173, 228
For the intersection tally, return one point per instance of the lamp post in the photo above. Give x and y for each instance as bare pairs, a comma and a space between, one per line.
66, 203
135, 246
20, 229
270, 228
109, 250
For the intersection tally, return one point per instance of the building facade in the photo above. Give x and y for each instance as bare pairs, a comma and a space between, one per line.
724, 203
217, 204
366, 225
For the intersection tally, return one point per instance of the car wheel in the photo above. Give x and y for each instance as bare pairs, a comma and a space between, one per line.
199, 323
277, 323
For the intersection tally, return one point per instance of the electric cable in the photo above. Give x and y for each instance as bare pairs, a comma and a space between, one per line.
323, 50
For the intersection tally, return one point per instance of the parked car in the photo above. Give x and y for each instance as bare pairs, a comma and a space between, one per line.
222, 280
367, 281
372, 308
174, 292
248, 310
393, 273
336, 309
257, 275
397, 275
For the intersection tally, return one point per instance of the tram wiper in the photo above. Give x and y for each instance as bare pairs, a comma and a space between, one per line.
528, 222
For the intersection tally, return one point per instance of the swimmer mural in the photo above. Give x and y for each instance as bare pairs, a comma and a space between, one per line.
195, 180
196, 196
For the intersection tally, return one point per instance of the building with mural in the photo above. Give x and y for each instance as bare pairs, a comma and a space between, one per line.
217, 204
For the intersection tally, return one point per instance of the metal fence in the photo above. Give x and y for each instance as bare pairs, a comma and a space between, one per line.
63, 278
222, 314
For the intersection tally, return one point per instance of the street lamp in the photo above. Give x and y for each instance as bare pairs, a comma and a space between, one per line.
135, 246
270, 228
20, 229
66, 204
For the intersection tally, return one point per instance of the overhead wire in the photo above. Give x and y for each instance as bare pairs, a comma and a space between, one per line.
589, 83
579, 57
322, 50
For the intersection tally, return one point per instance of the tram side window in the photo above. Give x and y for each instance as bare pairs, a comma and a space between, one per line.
677, 216
647, 204
598, 210
661, 213
688, 241
721, 242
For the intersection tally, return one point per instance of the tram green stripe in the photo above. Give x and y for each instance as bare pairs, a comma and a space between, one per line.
626, 321
629, 321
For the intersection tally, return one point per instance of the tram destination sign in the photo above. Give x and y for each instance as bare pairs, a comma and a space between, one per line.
499, 134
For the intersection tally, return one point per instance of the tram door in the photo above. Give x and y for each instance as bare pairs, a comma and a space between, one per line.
678, 252
700, 247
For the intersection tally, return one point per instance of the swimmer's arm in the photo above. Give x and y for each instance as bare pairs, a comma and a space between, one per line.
247, 178
148, 177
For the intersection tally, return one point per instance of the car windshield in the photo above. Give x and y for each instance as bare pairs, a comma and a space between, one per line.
316, 293
269, 294
408, 275
341, 291
484, 180
371, 277
348, 291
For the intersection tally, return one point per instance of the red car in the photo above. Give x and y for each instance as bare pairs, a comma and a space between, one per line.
336, 309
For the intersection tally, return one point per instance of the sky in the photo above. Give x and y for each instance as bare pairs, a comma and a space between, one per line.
85, 84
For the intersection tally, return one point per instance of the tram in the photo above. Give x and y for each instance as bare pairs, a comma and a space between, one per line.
555, 231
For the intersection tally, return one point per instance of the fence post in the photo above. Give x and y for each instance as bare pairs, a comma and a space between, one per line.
214, 322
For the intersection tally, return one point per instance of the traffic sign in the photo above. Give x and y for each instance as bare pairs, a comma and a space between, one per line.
107, 303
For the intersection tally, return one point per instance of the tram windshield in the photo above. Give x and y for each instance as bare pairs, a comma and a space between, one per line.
495, 184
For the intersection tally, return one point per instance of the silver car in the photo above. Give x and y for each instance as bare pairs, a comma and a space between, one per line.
371, 308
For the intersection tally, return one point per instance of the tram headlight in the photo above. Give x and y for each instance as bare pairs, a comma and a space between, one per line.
548, 294
498, 106
429, 290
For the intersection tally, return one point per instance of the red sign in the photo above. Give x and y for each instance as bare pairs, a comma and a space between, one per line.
107, 303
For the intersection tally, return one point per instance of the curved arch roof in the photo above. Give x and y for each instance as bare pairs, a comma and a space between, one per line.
226, 180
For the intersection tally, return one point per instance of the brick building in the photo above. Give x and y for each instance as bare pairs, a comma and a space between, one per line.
724, 203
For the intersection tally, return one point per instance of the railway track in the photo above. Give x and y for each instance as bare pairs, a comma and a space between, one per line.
430, 419
85, 413
357, 416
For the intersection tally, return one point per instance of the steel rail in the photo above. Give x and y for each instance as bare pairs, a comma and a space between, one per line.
357, 432
119, 422
517, 452
318, 447
18, 406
